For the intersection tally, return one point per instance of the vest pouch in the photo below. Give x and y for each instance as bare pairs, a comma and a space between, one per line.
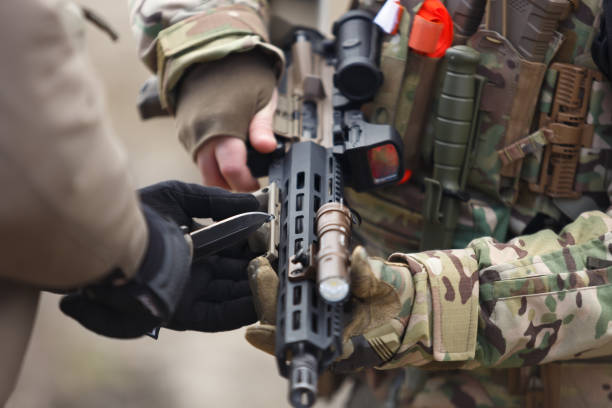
391, 219
405, 97
415, 102
508, 104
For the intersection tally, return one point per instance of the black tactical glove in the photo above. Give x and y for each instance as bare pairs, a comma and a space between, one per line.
217, 296
211, 295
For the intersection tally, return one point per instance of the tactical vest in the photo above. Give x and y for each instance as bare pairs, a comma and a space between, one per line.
541, 151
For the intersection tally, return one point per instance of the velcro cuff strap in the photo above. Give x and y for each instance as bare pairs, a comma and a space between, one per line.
208, 37
453, 281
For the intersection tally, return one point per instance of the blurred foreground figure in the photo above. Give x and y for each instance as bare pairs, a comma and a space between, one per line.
69, 217
515, 147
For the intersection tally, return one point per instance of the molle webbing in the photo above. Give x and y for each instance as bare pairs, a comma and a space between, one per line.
567, 157
566, 130
529, 25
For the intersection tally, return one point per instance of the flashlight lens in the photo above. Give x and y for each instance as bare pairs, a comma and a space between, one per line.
333, 290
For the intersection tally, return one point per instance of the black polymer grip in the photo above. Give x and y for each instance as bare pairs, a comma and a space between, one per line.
308, 333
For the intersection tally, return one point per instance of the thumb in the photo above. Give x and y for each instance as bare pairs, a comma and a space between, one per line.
264, 287
261, 132
362, 278
262, 336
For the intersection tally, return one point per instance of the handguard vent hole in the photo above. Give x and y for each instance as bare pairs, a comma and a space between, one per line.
299, 224
297, 295
299, 202
317, 183
296, 320
298, 245
300, 180
317, 203
315, 323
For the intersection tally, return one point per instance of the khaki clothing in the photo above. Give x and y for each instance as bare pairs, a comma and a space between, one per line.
68, 212
18, 304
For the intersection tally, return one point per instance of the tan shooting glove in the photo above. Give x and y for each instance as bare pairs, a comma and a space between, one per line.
382, 294
219, 98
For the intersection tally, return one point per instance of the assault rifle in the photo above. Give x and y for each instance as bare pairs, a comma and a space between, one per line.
324, 145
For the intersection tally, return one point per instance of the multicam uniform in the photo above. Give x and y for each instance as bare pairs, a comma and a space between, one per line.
538, 299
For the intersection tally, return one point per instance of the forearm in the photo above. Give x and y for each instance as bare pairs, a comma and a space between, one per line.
72, 214
537, 299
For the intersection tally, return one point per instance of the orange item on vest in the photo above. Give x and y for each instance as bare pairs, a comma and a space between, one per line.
425, 35
432, 30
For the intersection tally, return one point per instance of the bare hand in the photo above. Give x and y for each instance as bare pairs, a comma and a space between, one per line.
222, 160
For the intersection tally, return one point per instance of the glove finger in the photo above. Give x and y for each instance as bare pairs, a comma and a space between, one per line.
230, 269
197, 201
362, 278
223, 290
161, 199
213, 202
229, 315
262, 337
264, 286
357, 354
239, 251
105, 320
216, 268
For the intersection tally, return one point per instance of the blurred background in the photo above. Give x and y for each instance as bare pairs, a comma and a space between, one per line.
68, 366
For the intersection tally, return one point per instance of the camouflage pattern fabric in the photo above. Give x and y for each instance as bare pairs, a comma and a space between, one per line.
579, 30
174, 37
149, 17
207, 37
536, 299
594, 172
507, 106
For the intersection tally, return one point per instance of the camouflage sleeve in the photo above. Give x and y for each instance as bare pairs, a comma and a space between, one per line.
176, 34
536, 299
149, 17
